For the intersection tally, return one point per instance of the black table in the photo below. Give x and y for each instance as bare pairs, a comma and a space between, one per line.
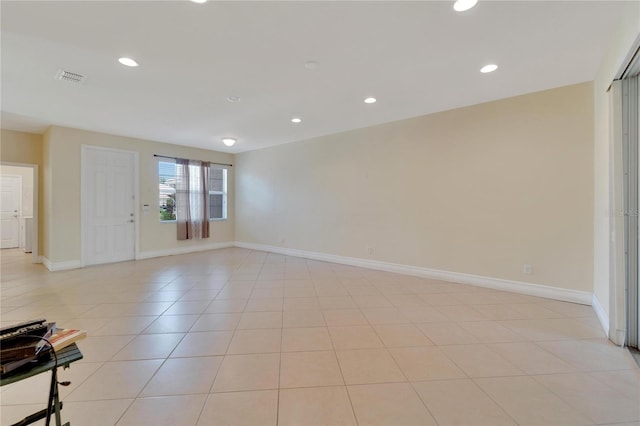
65, 356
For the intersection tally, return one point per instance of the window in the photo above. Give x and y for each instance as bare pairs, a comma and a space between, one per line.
167, 189
168, 179
217, 193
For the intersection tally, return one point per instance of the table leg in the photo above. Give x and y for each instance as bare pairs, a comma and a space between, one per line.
56, 403
53, 403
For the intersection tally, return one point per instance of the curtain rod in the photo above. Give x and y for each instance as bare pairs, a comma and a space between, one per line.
178, 158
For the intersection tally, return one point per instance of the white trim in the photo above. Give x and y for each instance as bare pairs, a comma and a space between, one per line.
601, 314
538, 290
183, 250
75, 264
630, 61
136, 204
61, 266
619, 337
83, 204
35, 248
617, 318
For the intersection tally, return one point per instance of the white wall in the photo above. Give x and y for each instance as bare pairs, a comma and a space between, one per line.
480, 190
621, 43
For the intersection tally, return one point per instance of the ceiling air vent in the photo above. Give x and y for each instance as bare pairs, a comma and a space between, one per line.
71, 77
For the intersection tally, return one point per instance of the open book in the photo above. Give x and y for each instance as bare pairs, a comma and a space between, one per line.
63, 337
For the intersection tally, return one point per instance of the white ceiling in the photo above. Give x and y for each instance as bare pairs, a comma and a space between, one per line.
415, 57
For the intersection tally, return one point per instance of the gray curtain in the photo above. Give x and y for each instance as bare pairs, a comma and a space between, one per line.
183, 215
192, 199
204, 174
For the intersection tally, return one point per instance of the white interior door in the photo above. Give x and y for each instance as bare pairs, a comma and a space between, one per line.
108, 200
10, 210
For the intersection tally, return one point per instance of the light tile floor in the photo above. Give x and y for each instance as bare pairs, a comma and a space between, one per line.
239, 337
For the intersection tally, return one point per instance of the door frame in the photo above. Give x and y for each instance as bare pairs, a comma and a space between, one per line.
35, 253
83, 203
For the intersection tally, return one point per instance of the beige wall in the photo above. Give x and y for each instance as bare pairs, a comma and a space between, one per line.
47, 195
26, 148
20, 147
63, 158
480, 190
628, 30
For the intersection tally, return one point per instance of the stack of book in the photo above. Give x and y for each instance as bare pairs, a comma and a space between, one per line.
32, 341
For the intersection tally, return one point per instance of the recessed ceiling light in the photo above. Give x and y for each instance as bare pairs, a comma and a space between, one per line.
128, 62
488, 68
228, 141
370, 101
462, 5
199, 1
296, 120
233, 98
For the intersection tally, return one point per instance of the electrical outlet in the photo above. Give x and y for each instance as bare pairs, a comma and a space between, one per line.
369, 250
527, 269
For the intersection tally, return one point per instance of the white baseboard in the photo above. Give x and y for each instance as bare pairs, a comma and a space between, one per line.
61, 266
602, 315
182, 250
75, 264
538, 290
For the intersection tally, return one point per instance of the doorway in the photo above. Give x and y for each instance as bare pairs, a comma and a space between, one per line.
19, 208
108, 189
